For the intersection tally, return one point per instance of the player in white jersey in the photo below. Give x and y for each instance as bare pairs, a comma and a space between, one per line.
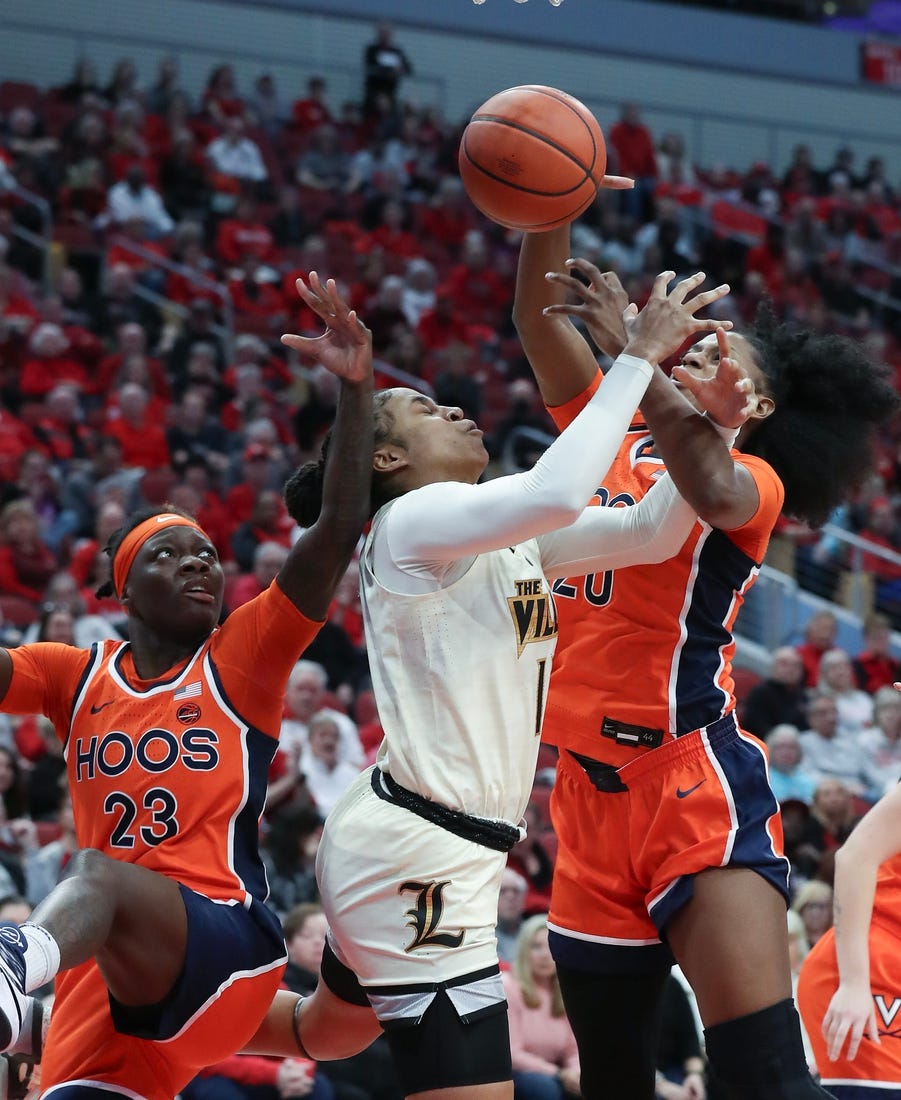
460, 630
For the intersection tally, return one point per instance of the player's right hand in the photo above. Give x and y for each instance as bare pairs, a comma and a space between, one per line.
345, 348
850, 1014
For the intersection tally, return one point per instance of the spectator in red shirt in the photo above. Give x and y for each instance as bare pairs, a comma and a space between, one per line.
392, 234
255, 293
51, 362
479, 290
268, 522
143, 437
252, 401
16, 311
244, 234
768, 259
444, 324
633, 145
136, 368
268, 558
446, 221
26, 563
131, 340
312, 111
61, 429
257, 475
15, 439
83, 563
819, 635
220, 97
874, 666
83, 344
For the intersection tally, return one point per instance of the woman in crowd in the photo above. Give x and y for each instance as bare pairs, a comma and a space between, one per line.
545, 1058
813, 904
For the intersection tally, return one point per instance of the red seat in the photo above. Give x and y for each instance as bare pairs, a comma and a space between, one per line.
729, 220
19, 93
18, 610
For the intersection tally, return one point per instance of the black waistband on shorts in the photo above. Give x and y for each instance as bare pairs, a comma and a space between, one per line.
498, 835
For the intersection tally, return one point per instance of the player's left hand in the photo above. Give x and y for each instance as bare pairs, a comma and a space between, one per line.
850, 1014
728, 397
345, 348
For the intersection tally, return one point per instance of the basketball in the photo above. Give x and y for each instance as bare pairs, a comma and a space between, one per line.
532, 158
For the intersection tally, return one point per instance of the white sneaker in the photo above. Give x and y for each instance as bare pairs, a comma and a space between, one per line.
13, 999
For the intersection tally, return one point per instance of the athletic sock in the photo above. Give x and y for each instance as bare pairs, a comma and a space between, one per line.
41, 956
761, 1057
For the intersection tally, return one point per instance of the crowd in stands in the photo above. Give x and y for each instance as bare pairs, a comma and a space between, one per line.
140, 363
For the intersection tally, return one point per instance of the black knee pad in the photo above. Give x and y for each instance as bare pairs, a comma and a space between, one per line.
761, 1057
442, 1051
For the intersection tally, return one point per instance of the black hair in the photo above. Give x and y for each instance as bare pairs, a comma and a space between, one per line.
829, 398
303, 489
118, 536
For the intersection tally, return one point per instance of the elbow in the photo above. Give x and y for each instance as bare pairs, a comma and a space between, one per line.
551, 515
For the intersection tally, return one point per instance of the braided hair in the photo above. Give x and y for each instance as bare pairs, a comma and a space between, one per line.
829, 397
118, 536
303, 489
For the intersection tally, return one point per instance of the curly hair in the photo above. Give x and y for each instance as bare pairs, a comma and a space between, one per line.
303, 489
117, 537
829, 398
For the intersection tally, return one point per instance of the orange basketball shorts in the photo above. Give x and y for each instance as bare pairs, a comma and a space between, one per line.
234, 964
875, 1073
630, 840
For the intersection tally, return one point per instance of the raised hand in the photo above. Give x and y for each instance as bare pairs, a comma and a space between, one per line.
849, 1015
728, 397
660, 329
609, 300
345, 348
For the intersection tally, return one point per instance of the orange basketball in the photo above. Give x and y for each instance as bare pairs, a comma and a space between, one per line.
532, 158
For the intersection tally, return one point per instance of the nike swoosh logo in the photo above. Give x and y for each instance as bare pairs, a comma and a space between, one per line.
684, 794
97, 710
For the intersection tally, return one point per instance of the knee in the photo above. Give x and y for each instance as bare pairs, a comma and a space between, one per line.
90, 865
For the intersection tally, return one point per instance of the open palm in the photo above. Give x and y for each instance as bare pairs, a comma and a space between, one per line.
345, 348
727, 397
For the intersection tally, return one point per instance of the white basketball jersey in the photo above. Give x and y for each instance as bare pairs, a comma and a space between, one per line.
460, 677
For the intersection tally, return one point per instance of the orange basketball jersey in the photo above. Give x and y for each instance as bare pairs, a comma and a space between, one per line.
651, 645
171, 773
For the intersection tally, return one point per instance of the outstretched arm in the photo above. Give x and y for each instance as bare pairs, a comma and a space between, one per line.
322, 553
560, 356
722, 491
473, 519
875, 839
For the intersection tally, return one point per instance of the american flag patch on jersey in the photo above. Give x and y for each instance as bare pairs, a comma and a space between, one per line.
189, 690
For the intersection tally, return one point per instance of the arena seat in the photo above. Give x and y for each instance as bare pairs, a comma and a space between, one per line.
18, 610
19, 93
729, 220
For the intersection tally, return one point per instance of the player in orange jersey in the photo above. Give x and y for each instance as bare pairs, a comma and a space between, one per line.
168, 956
669, 835
849, 991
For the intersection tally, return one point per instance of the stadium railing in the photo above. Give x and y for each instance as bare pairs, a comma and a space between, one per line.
42, 240
225, 329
